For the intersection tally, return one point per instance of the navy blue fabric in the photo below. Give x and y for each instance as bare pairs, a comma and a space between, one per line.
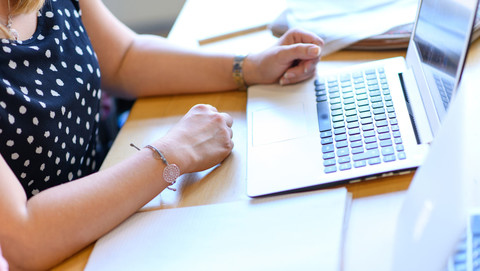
50, 100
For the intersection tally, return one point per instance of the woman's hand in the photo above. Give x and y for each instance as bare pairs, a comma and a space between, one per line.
291, 60
201, 140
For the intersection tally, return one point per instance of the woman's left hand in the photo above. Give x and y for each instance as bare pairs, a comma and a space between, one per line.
291, 60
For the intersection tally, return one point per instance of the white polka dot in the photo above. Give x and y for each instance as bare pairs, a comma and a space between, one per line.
49, 14
35, 191
42, 167
67, 12
11, 119
59, 82
52, 114
48, 53
10, 91
78, 50
78, 68
53, 68
39, 150
34, 48
26, 63
57, 160
40, 37
80, 80
42, 104
49, 154
46, 134
12, 64
15, 156
7, 49
3, 104
70, 176
38, 82
24, 90
22, 110
54, 93
23, 175
27, 163
10, 143
35, 121
90, 68
47, 178
59, 172
30, 139
55, 27
39, 92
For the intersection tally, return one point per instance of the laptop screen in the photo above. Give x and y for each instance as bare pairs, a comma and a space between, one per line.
442, 36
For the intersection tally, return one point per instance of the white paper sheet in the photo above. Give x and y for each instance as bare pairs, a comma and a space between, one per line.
291, 232
343, 22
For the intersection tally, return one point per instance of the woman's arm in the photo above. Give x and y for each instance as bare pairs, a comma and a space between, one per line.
142, 65
54, 224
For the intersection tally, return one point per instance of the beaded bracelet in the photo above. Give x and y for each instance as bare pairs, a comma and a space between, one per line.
171, 171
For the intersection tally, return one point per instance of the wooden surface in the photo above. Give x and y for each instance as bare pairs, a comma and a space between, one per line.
375, 203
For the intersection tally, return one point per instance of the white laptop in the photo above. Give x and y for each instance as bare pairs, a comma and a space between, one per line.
446, 188
349, 125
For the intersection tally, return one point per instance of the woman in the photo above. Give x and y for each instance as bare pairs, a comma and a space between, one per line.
50, 95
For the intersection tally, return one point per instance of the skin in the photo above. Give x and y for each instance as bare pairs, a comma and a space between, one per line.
62, 220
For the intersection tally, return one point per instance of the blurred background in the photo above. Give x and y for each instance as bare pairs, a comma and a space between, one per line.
147, 16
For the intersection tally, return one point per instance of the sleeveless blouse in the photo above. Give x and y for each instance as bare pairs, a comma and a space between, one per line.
50, 100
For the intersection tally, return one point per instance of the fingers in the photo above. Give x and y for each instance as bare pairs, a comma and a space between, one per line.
304, 58
296, 35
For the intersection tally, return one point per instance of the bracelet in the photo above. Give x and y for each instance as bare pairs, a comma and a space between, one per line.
237, 72
171, 171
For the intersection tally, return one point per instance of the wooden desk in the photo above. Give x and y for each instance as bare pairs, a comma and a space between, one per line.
376, 203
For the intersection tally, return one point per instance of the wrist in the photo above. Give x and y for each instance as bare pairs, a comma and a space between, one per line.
238, 72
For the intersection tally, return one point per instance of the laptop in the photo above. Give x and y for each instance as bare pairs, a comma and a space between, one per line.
362, 121
441, 205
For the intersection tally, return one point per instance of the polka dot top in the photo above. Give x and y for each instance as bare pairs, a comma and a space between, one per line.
50, 100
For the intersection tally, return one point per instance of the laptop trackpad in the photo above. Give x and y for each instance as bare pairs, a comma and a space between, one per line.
278, 124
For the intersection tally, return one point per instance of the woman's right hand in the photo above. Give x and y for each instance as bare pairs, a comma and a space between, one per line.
200, 140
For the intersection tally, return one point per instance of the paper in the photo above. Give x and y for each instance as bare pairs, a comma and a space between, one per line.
302, 231
347, 22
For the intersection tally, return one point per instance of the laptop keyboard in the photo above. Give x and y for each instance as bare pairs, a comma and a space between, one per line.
467, 254
357, 121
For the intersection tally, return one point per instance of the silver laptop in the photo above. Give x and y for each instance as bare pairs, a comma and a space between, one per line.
445, 190
362, 121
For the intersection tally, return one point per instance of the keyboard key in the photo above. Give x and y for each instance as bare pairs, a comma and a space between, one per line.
370, 139
337, 118
345, 166
323, 116
385, 143
341, 144
383, 129
398, 140
387, 151
349, 113
400, 147
389, 158
345, 159
350, 106
354, 131
357, 150
326, 134
384, 136
355, 144
329, 162
368, 127
377, 105
362, 103
379, 110
343, 152
326, 140
355, 138
352, 118
328, 148
361, 163
341, 137
366, 155
374, 161
328, 155
339, 131
352, 125
338, 124
396, 134
371, 146
330, 169
381, 123
369, 133
380, 117
363, 108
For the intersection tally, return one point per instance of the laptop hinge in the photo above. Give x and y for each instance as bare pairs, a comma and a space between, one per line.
420, 124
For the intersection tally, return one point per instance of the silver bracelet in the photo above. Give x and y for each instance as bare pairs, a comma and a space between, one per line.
171, 171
